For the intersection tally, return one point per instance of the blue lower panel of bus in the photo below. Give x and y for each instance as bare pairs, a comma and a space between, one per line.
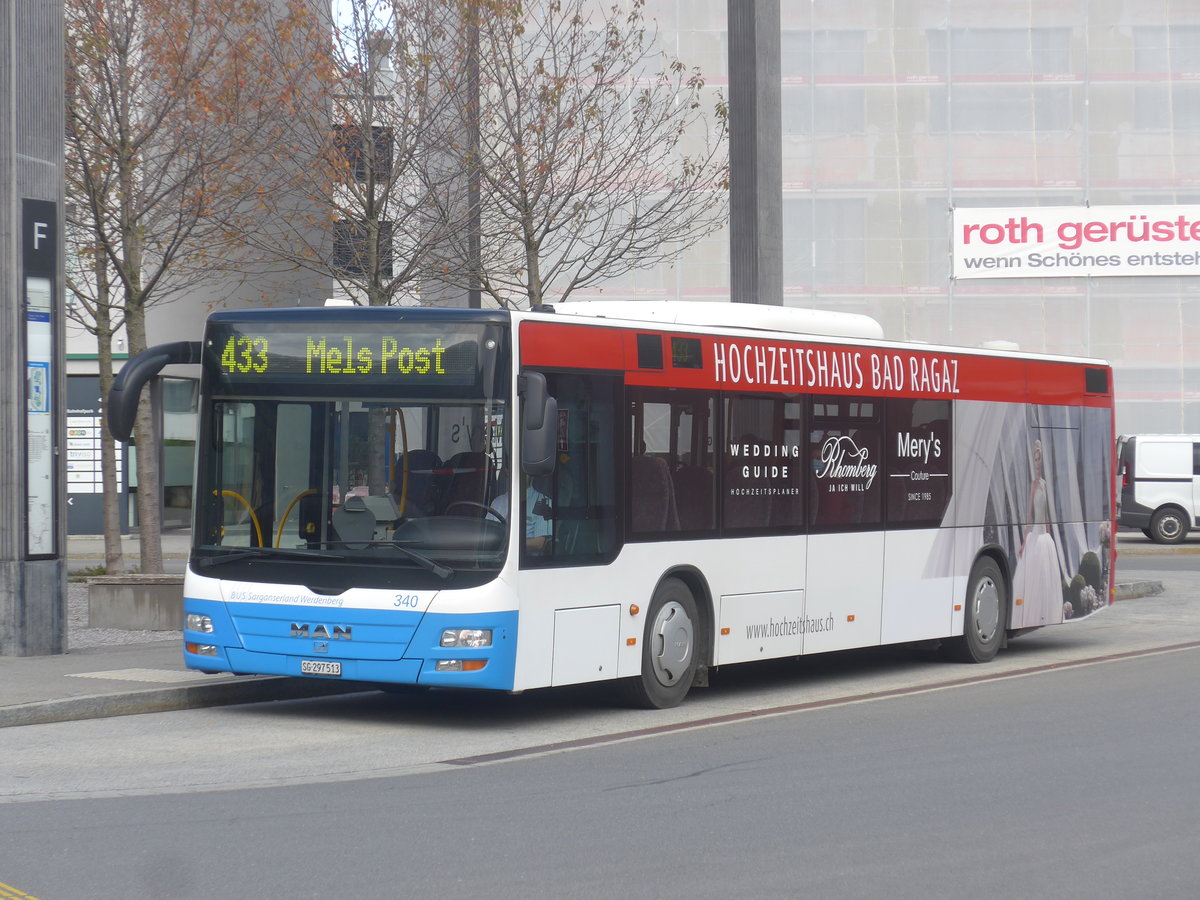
393, 646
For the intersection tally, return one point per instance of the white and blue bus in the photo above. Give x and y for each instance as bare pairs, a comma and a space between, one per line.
635, 492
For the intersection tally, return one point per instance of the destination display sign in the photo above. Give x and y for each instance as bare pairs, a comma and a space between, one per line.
337, 355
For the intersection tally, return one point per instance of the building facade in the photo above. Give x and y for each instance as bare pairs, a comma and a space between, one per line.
897, 114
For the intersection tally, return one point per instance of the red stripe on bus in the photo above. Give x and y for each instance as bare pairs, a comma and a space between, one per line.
770, 365
556, 346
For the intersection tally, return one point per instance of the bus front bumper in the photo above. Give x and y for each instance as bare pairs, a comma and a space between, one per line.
387, 647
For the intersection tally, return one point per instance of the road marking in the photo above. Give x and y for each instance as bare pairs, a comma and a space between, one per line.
791, 708
8, 892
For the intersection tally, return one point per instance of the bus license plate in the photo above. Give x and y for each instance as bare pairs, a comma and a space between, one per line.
321, 667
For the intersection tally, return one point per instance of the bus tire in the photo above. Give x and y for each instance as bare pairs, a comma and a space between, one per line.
984, 617
1168, 525
669, 648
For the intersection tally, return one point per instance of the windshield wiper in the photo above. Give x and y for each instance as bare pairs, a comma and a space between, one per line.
442, 572
208, 562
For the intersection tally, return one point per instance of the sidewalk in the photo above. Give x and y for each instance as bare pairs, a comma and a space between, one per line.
112, 673
87, 551
108, 672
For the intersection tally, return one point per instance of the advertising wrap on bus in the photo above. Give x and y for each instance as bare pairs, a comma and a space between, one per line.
516, 500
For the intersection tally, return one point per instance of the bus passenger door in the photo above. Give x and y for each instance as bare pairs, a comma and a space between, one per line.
843, 605
918, 593
563, 607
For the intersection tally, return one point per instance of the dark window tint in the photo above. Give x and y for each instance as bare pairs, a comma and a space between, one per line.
764, 457
579, 499
672, 484
1095, 381
918, 461
845, 455
650, 351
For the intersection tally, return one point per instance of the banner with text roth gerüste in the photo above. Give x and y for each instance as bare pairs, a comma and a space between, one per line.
1064, 241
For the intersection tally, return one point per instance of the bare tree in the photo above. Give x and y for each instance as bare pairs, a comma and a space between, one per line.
349, 196
587, 153
92, 306
161, 106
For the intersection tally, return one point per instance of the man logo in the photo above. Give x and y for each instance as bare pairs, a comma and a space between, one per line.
322, 632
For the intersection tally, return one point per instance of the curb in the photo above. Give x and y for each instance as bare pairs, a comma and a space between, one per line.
1149, 549
1134, 589
249, 689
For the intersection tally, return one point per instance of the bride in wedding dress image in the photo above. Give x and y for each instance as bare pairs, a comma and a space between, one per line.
1038, 576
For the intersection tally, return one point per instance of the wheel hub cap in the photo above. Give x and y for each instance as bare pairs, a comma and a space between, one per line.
672, 640
987, 609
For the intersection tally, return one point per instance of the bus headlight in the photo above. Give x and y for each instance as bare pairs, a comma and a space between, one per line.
473, 638
460, 665
197, 622
201, 649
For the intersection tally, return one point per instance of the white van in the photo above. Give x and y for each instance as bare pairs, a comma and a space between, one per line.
1159, 487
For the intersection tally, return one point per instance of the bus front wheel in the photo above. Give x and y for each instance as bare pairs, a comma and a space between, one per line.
669, 648
984, 615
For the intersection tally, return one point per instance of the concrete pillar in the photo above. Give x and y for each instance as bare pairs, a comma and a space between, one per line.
32, 375
755, 153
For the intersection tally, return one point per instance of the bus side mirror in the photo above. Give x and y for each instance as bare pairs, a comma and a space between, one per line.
127, 387
539, 424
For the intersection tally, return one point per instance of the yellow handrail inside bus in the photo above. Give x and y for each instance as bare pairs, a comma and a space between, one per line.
288, 512
249, 509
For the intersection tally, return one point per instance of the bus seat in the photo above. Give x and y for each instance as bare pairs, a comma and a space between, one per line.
744, 510
786, 510
423, 488
694, 498
653, 496
469, 481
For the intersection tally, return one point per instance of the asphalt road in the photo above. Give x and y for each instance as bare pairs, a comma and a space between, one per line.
1040, 786
1064, 769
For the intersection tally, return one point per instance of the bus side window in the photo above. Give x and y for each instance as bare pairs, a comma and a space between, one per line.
764, 462
652, 496
582, 493
919, 462
845, 450
671, 468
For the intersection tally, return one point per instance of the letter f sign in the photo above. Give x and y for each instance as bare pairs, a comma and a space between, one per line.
39, 234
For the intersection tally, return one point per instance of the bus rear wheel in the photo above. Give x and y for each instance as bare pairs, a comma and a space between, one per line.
669, 648
984, 616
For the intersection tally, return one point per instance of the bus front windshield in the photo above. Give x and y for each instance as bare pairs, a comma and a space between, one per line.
396, 492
